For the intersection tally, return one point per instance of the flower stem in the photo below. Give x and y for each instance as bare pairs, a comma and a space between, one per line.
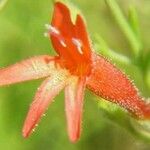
116, 115
104, 49
133, 20
124, 26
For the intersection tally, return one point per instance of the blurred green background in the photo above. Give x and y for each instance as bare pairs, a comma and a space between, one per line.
21, 36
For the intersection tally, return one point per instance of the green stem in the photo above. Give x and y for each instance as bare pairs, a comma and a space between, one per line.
116, 115
104, 49
133, 20
124, 26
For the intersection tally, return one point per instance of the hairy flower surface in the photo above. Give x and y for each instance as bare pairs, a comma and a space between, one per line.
75, 67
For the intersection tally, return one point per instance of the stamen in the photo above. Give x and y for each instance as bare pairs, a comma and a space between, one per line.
55, 32
63, 43
78, 43
51, 29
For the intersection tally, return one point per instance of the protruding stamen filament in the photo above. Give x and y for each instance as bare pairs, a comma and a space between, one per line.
63, 43
52, 29
55, 32
78, 44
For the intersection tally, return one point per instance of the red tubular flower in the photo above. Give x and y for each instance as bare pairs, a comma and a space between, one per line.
75, 68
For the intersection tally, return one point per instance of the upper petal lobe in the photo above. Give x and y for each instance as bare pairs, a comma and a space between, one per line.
70, 40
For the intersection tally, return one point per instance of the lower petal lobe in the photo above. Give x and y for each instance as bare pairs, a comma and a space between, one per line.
74, 93
44, 96
33, 68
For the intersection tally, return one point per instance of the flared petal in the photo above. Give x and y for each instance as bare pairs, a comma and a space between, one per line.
74, 93
44, 96
33, 68
111, 84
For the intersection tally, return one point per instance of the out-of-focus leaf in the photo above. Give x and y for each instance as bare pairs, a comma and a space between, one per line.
124, 26
143, 127
133, 20
2, 4
143, 63
103, 48
148, 76
115, 114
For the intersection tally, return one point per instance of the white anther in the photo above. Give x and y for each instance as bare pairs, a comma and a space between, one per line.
63, 43
51, 29
77, 43
55, 32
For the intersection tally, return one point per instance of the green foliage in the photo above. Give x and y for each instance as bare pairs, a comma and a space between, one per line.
125, 26
21, 36
2, 4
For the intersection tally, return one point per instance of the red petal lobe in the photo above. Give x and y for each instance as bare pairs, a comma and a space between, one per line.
81, 33
74, 93
33, 68
44, 96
